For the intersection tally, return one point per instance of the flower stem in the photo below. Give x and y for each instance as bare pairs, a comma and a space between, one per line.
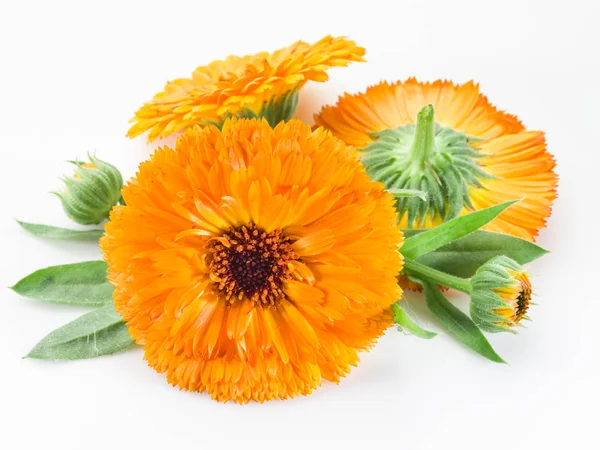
413, 267
423, 146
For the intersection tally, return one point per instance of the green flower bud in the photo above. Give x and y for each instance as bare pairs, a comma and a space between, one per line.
91, 192
500, 295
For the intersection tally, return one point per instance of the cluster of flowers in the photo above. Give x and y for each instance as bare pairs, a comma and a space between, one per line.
260, 255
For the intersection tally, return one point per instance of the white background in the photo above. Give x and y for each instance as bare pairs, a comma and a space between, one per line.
73, 73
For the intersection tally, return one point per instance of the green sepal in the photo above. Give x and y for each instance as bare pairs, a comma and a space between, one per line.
464, 256
50, 232
408, 193
82, 283
280, 109
97, 333
434, 238
405, 323
457, 323
113, 177
276, 110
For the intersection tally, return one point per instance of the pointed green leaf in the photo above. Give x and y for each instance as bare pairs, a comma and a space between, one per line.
464, 256
75, 284
405, 323
450, 231
97, 333
457, 323
51, 232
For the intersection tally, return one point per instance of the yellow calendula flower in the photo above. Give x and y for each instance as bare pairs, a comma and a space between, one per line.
500, 295
252, 262
263, 85
447, 140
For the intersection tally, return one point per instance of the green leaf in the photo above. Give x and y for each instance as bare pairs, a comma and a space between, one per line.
51, 232
464, 256
75, 284
405, 323
450, 231
457, 323
97, 333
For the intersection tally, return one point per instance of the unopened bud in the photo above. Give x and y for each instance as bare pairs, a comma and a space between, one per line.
500, 295
91, 192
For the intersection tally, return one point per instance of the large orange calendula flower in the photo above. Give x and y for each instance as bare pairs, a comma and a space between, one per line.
265, 84
254, 262
449, 141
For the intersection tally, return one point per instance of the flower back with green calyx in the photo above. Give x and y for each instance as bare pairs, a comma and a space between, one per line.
91, 192
426, 157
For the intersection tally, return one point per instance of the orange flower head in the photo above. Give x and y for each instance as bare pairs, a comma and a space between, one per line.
261, 85
447, 140
252, 262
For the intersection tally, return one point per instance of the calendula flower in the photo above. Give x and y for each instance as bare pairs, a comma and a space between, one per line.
500, 295
449, 141
91, 192
254, 262
263, 85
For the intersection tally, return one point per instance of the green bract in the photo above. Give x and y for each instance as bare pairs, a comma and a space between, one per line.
92, 191
276, 110
429, 158
500, 295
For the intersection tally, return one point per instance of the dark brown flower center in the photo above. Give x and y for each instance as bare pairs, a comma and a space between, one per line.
522, 302
247, 262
